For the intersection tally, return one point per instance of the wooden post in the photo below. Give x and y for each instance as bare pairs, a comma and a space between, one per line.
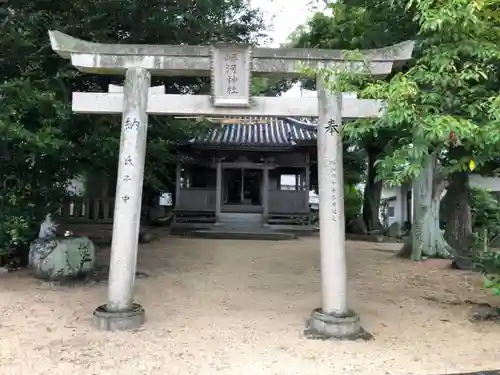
401, 205
242, 191
307, 183
178, 177
265, 192
218, 189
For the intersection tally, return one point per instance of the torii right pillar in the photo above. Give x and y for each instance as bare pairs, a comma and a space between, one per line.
334, 319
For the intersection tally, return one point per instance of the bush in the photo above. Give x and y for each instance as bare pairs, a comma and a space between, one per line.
353, 202
488, 262
485, 210
22, 208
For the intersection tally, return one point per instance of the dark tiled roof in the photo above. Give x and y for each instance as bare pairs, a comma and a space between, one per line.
260, 132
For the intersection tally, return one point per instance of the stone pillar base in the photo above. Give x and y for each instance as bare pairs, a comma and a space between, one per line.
105, 320
321, 326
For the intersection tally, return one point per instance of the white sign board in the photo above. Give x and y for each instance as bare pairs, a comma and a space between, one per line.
166, 199
231, 75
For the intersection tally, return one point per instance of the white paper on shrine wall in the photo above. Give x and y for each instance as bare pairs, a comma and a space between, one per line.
166, 199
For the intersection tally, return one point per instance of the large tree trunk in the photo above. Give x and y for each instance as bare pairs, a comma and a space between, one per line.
426, 238
456, 214
372, 195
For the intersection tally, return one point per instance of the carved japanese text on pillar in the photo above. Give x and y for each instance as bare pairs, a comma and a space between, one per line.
132, 123
231, 73
128, 162
332, 126
332, 166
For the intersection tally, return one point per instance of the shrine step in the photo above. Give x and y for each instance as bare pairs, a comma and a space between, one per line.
234, 225
240, 218
242, 234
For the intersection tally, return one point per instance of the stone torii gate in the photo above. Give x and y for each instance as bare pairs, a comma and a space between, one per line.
230, 68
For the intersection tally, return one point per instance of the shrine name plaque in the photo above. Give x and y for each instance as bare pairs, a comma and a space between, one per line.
231, 75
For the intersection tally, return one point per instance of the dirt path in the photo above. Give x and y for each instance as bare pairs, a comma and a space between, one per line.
238, 307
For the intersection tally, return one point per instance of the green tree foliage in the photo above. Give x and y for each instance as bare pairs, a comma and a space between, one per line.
264, 86
42, 143
353, 201
445, 105
486, 219
361, 25
485, 215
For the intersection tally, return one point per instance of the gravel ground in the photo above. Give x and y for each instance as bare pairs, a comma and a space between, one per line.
238, 307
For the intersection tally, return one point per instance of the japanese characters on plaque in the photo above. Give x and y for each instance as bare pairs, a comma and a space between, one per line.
231, 74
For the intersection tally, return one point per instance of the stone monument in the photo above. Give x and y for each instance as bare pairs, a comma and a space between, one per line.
231, 68
62, 259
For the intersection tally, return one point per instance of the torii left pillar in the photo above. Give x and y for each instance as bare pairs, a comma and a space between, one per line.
120, 312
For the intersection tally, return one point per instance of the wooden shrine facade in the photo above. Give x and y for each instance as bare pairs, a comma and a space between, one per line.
262, 168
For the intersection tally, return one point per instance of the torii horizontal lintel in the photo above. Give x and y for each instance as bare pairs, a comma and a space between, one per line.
184, 60
159, 89
201, 105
